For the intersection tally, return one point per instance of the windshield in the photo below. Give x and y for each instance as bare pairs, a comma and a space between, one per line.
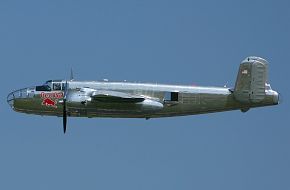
51, 85
45, 87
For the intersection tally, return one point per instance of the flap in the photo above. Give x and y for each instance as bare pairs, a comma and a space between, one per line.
115, 96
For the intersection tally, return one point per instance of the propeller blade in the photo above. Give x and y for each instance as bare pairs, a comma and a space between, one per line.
64, 116
65, 90
71, 74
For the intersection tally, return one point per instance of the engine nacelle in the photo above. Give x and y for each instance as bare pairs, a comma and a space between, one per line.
150, 105
81, 96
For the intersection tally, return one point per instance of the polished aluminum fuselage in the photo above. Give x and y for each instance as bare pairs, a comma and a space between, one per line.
191, 100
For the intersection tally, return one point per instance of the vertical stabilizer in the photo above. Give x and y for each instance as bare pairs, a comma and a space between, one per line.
251, 80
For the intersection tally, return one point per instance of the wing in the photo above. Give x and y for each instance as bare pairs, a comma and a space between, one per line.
115, 96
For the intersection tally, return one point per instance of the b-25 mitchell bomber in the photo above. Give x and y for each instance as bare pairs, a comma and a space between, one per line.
70, 98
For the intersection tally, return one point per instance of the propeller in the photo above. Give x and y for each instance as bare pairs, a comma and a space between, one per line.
64, 113
64, 116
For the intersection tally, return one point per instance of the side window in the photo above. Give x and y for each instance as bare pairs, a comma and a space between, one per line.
174, 96
167, 96
56, 86
171, 96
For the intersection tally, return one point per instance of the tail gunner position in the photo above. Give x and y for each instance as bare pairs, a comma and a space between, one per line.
140, 100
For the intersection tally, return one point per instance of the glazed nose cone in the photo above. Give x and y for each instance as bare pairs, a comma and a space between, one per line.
17, 95
10, 99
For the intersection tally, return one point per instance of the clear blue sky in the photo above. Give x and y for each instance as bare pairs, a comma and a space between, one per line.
180, 42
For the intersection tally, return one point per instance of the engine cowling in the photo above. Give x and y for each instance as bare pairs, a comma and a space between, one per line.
150, 105
80, 96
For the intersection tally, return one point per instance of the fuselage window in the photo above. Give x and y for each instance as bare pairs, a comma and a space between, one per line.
174, 96
171, 96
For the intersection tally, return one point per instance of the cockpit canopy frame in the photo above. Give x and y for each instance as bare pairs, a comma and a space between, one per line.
51, 85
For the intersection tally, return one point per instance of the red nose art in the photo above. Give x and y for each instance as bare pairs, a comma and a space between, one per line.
48, 102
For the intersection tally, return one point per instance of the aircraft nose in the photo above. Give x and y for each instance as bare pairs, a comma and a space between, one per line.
17, 95
10, 99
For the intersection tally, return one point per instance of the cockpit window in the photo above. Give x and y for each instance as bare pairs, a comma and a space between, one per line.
57, 86
43, 88
50, 85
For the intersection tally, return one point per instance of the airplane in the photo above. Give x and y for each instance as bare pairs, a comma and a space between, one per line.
70, 98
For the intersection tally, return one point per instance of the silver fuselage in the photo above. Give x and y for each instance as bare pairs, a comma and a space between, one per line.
176, 100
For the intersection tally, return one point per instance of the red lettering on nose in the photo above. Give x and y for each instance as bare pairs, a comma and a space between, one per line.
50, 99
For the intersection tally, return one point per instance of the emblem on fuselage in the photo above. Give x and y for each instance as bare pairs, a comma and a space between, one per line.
50, 99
